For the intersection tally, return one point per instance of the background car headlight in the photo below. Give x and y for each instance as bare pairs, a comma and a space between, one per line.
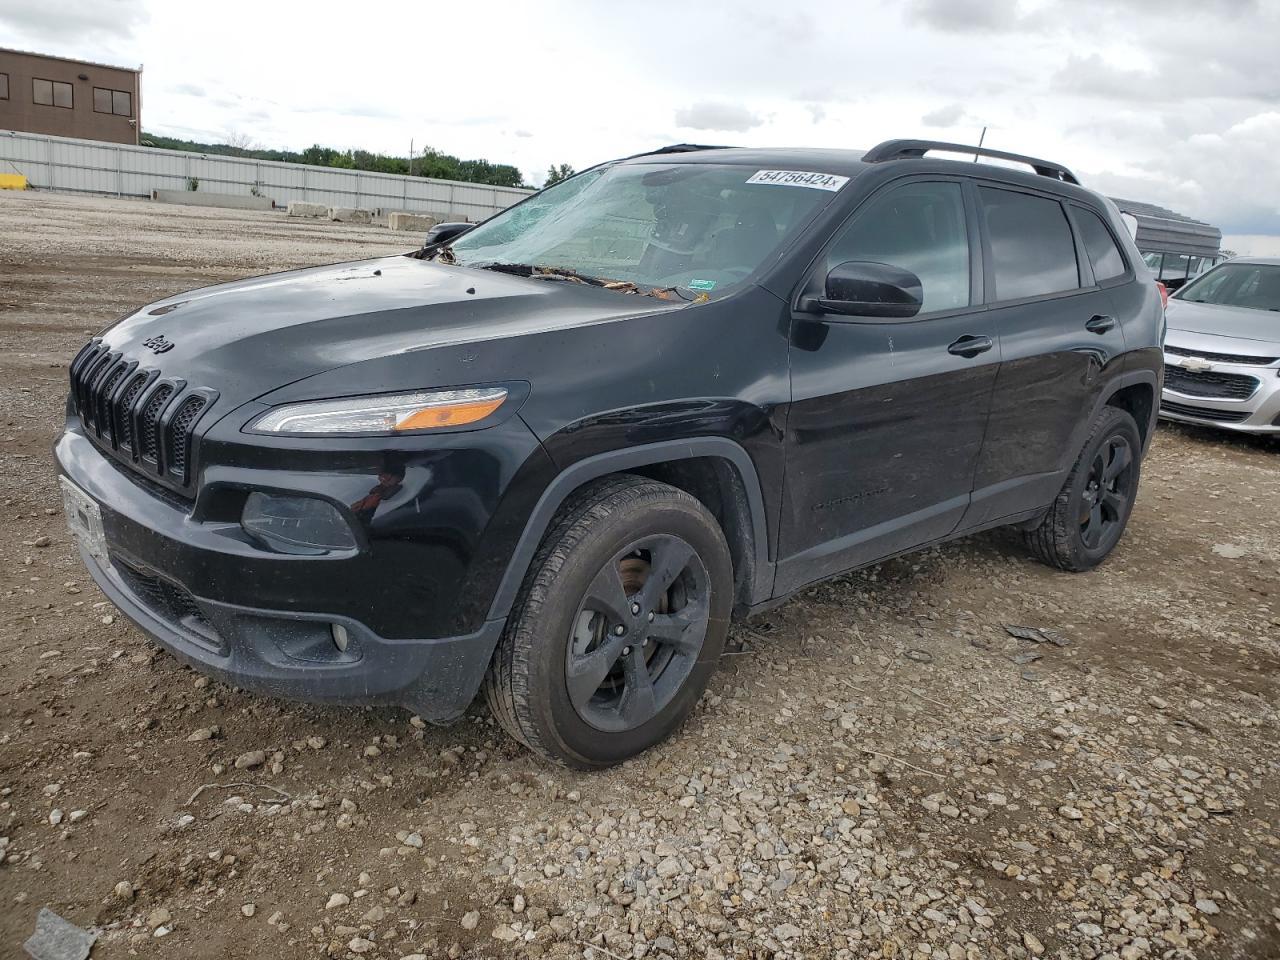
383, 413
300, 525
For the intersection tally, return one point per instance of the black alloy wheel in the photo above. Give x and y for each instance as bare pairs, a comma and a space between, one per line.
618, 627
637, 633
1089, 515
1107, 491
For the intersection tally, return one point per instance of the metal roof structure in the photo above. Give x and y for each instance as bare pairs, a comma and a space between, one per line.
1163, 231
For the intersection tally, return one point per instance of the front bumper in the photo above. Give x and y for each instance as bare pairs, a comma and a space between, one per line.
412, 597
292, 655
1259, 413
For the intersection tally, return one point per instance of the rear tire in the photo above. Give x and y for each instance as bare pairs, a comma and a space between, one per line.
618, 627
1090, 513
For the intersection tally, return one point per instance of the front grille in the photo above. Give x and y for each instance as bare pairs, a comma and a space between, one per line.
124, 417
149, 422
1220, 357
1203, 413
170, 602
143, 419
1218, 386
180, 434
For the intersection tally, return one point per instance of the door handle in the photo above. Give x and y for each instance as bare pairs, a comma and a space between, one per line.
1100, 324
968, 346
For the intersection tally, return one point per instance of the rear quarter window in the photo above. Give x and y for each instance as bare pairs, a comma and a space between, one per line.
1099, 245
1032, 251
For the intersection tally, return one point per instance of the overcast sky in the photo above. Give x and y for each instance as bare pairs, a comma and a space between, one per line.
1175, 102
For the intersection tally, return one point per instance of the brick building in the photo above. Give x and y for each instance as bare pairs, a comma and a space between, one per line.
69, 98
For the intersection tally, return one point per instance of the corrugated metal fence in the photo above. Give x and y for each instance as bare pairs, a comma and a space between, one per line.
123, 170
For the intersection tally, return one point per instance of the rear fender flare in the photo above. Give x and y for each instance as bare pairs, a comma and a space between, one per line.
1114, 386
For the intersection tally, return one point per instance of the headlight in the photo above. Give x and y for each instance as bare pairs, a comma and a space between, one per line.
384, 413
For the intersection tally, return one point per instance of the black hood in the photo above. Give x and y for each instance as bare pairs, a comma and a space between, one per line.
250, 337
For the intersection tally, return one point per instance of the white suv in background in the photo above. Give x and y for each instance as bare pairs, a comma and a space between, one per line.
1222, 350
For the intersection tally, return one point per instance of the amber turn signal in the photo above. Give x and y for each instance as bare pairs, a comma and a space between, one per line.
450, 415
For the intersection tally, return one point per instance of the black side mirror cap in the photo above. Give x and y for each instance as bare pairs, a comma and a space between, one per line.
444, 232
864, 288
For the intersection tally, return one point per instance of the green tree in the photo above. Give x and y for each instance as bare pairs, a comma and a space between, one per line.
556, 174
432, 163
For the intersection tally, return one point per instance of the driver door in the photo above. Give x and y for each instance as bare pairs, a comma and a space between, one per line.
888, 415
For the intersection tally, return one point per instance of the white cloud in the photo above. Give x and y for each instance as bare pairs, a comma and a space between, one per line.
717, 116
1123, 95
61, 21
966, 16
1251, 245
947, 116
1229, 177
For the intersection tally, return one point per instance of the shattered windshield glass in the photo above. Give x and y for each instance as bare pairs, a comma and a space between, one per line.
686, 230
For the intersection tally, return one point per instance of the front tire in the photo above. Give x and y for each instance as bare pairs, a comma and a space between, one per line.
617, 629
1089, 515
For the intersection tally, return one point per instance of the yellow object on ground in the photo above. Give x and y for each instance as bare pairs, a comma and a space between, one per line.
12, 181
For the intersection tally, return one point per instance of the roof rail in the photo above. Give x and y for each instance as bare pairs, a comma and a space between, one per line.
683, 148
903, 149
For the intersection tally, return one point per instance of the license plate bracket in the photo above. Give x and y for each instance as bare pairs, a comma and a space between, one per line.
84, 519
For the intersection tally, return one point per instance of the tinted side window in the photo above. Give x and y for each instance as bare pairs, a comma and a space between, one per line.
919, 227
1032, 251
1101, 247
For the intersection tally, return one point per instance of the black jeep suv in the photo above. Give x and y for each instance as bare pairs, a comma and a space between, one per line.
554, 454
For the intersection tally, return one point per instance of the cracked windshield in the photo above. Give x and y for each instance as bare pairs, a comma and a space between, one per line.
679, 231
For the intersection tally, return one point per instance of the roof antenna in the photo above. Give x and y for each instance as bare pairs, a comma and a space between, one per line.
980, 139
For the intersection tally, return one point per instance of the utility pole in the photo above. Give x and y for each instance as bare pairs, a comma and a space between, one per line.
411, 156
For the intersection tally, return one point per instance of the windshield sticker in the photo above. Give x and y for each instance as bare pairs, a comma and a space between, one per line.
799, 178
702, 284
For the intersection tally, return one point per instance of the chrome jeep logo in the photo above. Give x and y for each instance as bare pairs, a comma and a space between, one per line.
158, 344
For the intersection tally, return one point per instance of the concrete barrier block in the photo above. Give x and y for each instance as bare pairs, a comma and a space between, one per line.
202, 198
12, 181
417, 222
350, 215
299, 209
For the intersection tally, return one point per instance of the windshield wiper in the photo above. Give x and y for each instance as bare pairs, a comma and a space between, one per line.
540, 273
564, 274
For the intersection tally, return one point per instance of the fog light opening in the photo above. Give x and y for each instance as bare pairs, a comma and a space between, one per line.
340, 637
296, 525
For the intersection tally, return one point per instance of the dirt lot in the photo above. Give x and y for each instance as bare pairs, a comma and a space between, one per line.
885, 772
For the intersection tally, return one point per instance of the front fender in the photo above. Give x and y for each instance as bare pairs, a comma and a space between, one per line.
601, 464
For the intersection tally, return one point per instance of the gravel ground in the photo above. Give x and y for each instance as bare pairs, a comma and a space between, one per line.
884, 771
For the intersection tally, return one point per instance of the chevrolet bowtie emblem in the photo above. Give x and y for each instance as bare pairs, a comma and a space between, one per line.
1195, 364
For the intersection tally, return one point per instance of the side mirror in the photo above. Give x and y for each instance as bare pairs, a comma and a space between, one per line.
862, 288
444, 232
